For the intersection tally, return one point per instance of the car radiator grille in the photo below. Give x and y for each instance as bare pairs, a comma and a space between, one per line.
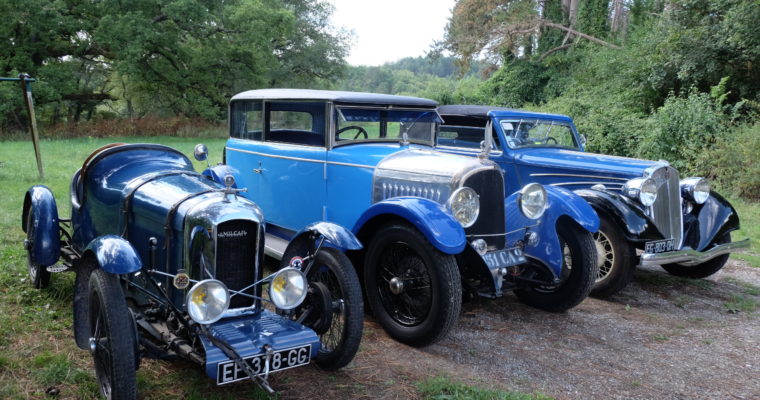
489, 185
236, 257
666, 210
398, 189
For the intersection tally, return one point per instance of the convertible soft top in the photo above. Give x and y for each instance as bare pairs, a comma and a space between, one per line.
333, 95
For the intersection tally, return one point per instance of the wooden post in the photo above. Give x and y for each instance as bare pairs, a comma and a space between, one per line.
27, 93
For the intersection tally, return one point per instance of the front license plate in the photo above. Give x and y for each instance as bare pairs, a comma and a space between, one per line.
660, 246
504, 258
228, 372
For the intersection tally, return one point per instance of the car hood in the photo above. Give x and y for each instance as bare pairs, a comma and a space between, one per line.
577, 161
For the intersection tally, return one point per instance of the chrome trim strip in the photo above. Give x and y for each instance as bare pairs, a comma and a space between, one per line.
585, 183
494, 153
351, 165
583, 176
301, 159
690, 257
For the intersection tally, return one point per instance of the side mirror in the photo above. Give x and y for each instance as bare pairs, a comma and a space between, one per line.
583, 140
200, 152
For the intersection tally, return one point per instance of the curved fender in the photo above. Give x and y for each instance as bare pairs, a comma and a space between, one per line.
716, 217
218, 172
40, 202
429, 217
624, 213
337, 235
114, 254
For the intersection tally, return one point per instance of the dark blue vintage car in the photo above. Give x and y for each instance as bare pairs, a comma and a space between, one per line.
433, 223
168, 264
679, 224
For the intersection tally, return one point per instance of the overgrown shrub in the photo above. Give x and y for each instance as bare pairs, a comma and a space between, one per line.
145, 126
733, 161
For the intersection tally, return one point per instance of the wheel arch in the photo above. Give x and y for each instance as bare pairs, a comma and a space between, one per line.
39, 201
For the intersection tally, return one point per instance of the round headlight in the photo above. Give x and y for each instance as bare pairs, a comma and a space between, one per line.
288, 288
532, 200
207, 301
696, 188
643, 189
464, 203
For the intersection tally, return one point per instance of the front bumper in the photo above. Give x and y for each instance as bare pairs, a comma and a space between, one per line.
691, 257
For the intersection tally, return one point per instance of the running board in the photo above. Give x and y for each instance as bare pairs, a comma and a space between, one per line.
275, 246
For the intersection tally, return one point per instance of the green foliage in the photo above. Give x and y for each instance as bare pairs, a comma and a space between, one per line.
733, 162
443, 388
515, 84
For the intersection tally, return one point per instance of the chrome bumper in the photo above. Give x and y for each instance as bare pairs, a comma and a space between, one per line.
691, 257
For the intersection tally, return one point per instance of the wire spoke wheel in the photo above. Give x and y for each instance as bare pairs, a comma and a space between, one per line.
605, 254
408, 294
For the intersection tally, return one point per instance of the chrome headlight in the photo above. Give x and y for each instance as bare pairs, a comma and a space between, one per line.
464, 203
288, 288
696, 189
532, 200
643, 189
207, 301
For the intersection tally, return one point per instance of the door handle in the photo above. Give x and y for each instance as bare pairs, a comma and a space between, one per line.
259, 169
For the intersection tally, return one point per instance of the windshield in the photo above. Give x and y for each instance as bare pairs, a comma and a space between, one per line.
520, 133
375, 124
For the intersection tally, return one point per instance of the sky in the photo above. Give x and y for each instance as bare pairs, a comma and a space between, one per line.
387, 30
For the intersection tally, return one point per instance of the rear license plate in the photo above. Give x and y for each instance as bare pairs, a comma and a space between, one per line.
504, 258
660, 246
228, 372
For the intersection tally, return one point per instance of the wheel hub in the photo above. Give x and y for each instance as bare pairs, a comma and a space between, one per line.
396, 285
93, 343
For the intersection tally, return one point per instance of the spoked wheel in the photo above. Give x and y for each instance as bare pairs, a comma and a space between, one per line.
414, 290
616, 260
39, 276
579, 270
333, 308
112, 337
705, 269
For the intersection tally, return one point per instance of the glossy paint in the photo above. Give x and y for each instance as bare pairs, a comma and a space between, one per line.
336, 235
40, 202
114, 254
632, 218
715, 218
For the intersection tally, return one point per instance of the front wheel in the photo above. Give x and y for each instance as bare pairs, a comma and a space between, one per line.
616, 258
112, 337
705, 269
39, 276
579, 270
413, 289
333, 308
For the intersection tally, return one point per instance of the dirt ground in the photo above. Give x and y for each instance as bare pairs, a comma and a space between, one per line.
661, 338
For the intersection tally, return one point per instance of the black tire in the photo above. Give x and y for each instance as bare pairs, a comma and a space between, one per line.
429, 300
112, 337
341, 332
39, 276
616, 260
579, 272
705, 269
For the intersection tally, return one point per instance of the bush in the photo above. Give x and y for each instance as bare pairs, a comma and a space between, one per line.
733, 161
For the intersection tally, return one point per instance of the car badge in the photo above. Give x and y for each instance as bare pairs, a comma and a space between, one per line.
181, 280
296, 262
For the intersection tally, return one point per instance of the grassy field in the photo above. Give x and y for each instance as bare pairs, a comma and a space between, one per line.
38, 357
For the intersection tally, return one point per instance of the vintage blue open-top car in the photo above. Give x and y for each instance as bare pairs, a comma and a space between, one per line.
432, 222
677, 223
168, 264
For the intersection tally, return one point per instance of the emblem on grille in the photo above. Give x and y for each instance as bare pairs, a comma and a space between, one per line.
232, 234
181, 280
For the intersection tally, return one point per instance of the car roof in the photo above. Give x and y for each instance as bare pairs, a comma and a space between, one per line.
334, 95
483, 112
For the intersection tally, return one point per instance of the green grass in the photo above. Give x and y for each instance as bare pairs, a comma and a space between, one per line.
749, 214
444, 388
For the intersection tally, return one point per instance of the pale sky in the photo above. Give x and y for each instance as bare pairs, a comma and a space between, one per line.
387, 30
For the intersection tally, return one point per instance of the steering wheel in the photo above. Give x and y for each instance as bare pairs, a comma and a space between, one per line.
360, 130
548, 138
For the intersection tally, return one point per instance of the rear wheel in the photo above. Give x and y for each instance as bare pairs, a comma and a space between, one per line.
112, 337
414, 290
705, 269
616, 260
39, 276
579, 271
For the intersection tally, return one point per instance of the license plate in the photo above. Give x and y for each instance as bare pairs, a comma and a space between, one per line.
228, 371
660, 246
504, 258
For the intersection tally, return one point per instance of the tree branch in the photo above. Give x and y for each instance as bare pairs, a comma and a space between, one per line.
554, 50
578, 33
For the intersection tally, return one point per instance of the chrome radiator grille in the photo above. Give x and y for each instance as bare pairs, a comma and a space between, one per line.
236, 257
489, 185
666, 210
435, 192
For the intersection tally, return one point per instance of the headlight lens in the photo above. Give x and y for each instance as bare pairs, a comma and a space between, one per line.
464, 203
288, 288
643, 189
532, 200
696, 188
207, 301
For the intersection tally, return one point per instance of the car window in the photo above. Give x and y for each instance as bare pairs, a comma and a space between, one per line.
295, 122
522, 133
467, 137
369, 124
246, 119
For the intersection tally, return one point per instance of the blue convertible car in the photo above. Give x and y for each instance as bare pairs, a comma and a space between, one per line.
168, 264
432, 223
677, 223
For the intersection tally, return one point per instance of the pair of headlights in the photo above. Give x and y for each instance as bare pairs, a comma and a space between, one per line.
645, 190
464, 203
208, 300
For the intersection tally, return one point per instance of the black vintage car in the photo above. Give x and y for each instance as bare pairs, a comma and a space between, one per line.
169, 264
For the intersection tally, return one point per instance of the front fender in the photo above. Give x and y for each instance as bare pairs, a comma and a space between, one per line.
114, 254
46, 243
218, 172
714, 218
429, 217
335, 235
623, 212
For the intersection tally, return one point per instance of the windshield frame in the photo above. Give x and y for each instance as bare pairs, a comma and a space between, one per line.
335, 112
553, 122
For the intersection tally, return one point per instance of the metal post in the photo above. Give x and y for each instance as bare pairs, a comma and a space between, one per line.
27, 92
